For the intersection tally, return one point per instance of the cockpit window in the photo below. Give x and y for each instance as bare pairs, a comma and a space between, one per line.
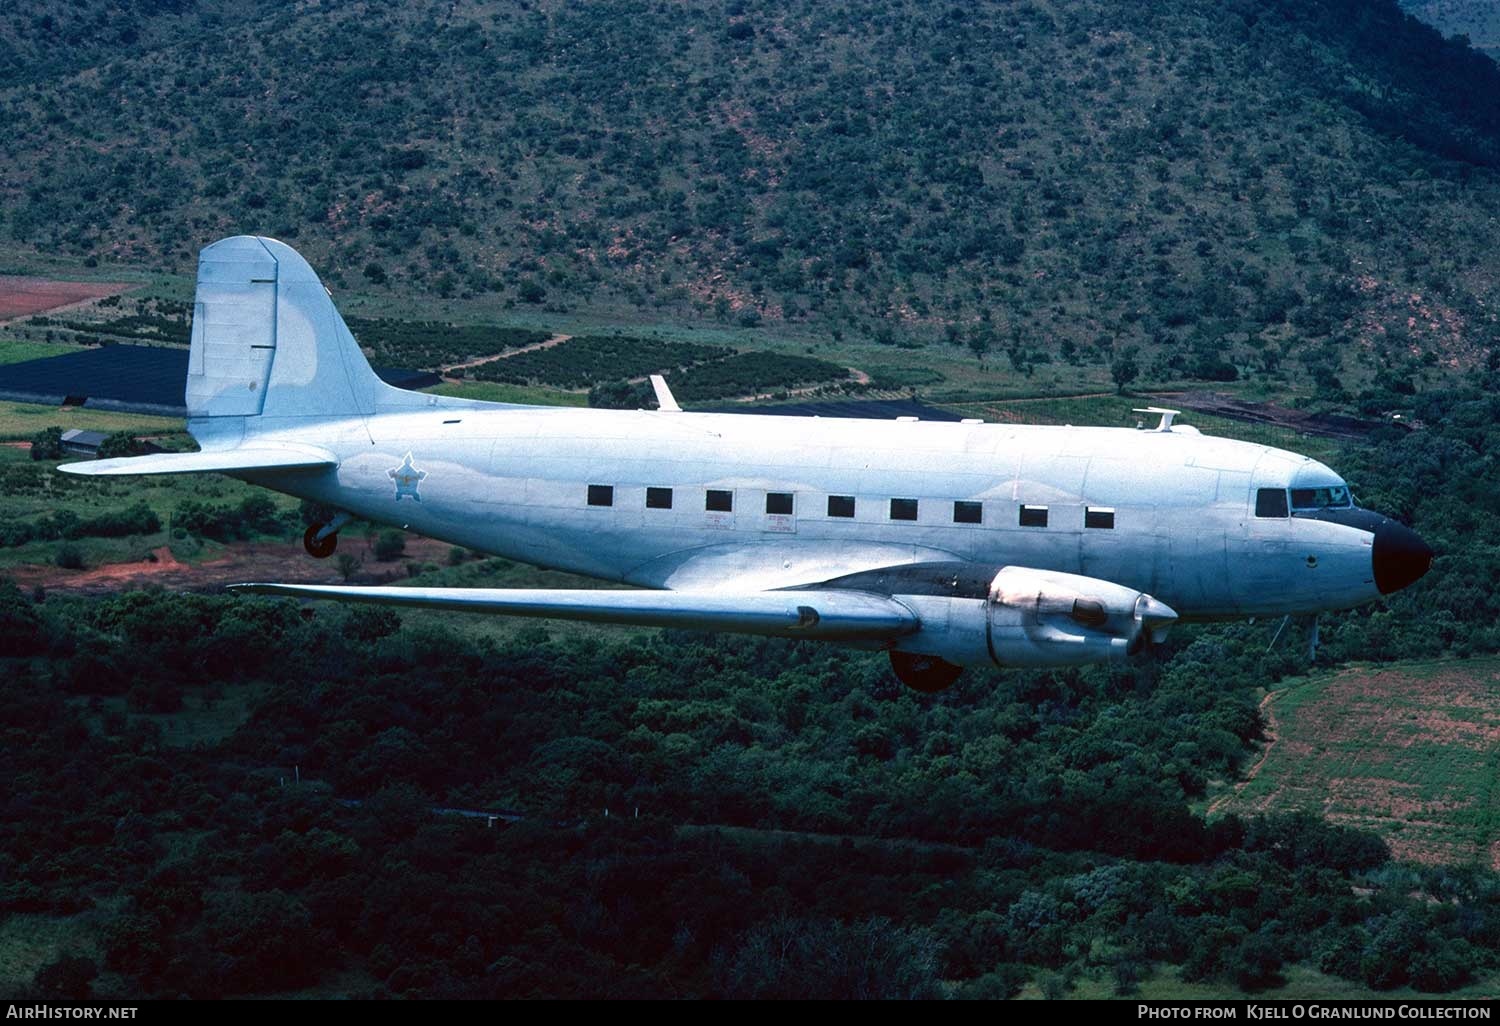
1270, 502
1336, 497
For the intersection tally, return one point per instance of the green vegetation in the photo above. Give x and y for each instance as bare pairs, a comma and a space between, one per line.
17, 352
390, 342
590, 359
1405, 751
950, 869
254, 515
136, 520
494, 392
22, 421
153, 320
427, 345
751, 374
390, 545
1275, 193
1025, 832
210, 795
123, 519
1477, 21
910, 377
696, 372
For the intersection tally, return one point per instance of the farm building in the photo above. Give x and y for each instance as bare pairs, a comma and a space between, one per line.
78, 442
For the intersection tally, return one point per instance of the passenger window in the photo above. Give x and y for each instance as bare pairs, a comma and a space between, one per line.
1098, 516
841, 505
1270, 502
968, 512
903, 509
719, 500
779, 503
1033, 516
658, 498
601, 495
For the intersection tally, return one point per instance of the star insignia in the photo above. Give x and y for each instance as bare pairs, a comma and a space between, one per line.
407, 478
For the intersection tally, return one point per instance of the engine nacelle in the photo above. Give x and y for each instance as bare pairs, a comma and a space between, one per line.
1030, 618
1044, 618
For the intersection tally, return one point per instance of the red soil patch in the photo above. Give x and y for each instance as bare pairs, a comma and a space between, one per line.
242, 562
23, 297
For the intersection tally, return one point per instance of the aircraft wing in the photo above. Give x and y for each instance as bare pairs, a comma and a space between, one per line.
828, 615
224, 461
740, 566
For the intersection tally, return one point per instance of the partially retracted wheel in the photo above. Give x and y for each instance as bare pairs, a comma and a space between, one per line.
924, 673
319, 548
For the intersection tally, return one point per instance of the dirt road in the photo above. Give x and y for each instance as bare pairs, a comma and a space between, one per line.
555, 340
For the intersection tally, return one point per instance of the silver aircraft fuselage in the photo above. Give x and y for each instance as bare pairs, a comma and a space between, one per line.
947, 545
1181, 506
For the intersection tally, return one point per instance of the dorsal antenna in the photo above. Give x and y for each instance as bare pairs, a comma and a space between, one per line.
1166, 416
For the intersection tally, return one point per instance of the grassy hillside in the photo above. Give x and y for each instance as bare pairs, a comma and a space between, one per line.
1477, 20
1228, 191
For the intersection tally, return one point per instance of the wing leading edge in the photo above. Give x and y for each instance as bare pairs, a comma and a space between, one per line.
825, 615
226, 461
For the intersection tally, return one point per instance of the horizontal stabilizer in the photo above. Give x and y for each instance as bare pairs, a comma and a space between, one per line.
225, 461
827, 615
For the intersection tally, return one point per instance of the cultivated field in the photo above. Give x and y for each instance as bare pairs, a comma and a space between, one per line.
1410, 751
23, 297
19, 352
20, 422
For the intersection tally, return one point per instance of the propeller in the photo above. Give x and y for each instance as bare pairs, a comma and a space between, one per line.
1152, 619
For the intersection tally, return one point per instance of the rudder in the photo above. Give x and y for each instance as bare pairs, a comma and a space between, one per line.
268, 341
234, 330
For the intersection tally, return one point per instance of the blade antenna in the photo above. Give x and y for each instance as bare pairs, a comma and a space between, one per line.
664, 401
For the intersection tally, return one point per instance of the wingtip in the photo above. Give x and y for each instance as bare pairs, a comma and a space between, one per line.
255, 588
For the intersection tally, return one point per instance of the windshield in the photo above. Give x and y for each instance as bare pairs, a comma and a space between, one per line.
1336, 497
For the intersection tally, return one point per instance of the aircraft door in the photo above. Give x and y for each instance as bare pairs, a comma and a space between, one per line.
1192, 569
1261, 546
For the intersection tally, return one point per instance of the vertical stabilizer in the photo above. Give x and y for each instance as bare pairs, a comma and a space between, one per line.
267, 340
234, 330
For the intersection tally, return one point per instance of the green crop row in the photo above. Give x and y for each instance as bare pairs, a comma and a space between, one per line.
590, 359
430, 344
751, 374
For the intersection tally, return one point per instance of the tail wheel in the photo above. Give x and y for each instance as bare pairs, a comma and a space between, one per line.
319, 548
924, 673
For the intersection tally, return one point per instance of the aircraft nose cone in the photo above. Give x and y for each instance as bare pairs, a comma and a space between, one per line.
1400, 557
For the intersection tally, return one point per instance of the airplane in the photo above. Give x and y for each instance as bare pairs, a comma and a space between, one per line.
946, 545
